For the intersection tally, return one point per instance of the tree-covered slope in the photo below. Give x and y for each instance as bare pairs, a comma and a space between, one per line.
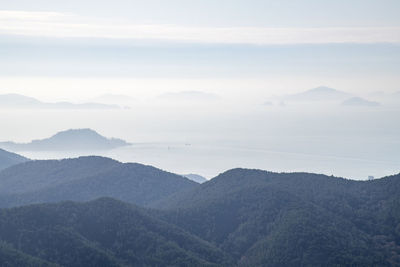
297, 219
10, 257
8, 159
103, 232
38, 174
258, 218
84, 179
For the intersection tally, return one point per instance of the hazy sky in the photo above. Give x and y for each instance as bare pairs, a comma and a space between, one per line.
241, 51
78, 49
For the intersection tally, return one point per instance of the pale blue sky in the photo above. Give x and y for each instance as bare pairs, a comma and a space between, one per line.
281, 46
276, 13
244, 51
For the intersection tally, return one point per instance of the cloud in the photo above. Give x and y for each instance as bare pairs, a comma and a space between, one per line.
30, 16
64, 25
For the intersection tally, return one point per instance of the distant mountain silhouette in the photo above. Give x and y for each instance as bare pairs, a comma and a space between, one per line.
358, 101
195, 177
321, 93
71, 140
87, 178
189, 96
16, 101
8, 159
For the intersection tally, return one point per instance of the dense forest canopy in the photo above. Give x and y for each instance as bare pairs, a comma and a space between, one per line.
242, 217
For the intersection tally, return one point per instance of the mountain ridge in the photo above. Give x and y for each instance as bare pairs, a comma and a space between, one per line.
103, 232
263, 217
246, 217
85, 179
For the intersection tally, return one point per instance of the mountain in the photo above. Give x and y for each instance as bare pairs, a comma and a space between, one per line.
104, 232
70, 140
8, 159
195, 177
16, 101
87, 178
293, 219
11, 257
360, 102
189, 96
242, 217
318, 94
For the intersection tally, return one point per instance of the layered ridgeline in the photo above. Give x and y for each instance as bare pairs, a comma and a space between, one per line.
299, 219
8, 159
87, 178
257, 218
104, 232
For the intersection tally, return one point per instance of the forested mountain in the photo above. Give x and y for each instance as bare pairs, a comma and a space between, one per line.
294, 219
69, 140
104, 232
257, 218
8, 159
10, 257
86, 178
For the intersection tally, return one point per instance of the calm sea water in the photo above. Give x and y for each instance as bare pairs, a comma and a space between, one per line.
352, 143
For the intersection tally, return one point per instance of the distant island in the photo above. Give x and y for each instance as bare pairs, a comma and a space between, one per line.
360, 102
195, 177
73, 139
16, 101
321, 93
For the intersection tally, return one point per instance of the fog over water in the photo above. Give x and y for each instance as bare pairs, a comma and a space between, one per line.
203, 85
209, 138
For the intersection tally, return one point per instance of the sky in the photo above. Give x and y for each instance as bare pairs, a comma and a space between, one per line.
219, 62
276, 46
